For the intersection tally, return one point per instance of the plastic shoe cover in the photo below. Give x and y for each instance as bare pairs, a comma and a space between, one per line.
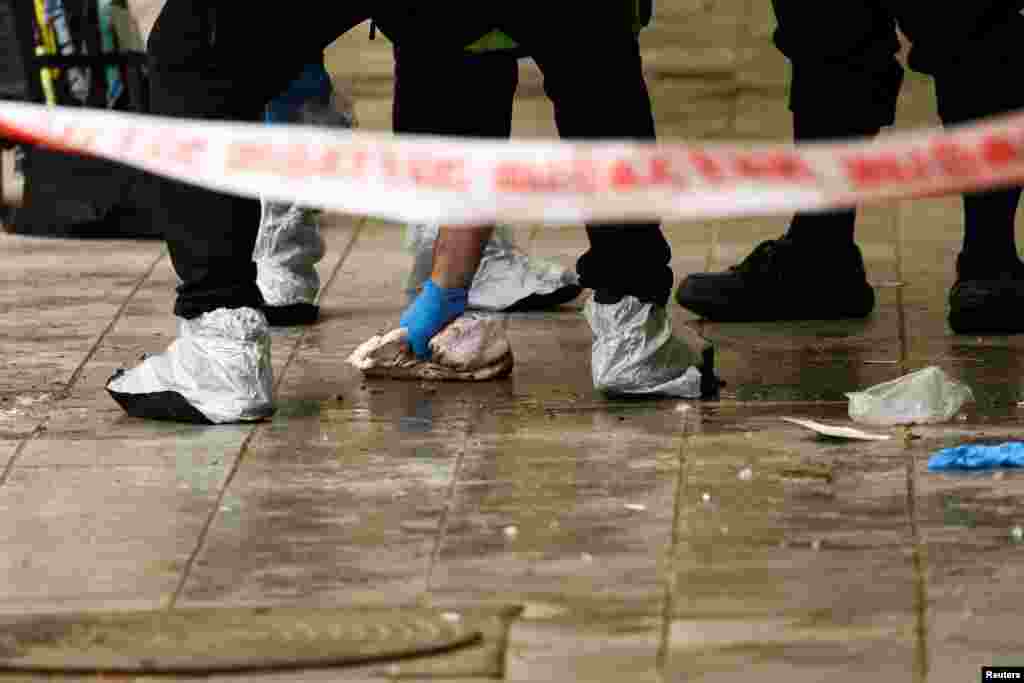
635, 353
289, 244
217, 371
288, 247
469, 349
505, 277
922, 397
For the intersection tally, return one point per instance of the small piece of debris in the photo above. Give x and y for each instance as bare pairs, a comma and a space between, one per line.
339, 398
511, 531
1017, 534
746, 474
684, 408
420, 526
635, 507
587, 557
706, 497
816, 545
451, 617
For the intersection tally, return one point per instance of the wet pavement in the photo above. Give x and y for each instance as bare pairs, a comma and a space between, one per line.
644, 540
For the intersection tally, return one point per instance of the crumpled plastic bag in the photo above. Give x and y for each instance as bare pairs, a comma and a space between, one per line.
217, 371
923, 397
471, 348
289, 243
635, 353
978, 457
506, 275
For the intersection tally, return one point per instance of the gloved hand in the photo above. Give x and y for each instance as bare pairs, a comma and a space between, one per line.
434, 308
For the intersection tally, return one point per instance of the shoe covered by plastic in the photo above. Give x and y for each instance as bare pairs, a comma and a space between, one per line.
288, 247
635, 352
987, 298
289, 243
784, 280
507, 280
217, 371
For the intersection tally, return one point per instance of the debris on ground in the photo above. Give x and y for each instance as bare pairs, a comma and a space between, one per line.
978, 457
831, 432
471, 348
923, 397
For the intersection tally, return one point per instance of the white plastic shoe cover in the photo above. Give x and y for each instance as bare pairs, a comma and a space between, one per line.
635, 353
288, 247
289, 243
506, 275
217, 371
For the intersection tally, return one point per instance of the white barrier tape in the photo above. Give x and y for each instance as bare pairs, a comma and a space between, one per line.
458, 181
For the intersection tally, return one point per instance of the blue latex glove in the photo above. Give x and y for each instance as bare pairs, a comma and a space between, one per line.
978, 457
312, 83
434, 308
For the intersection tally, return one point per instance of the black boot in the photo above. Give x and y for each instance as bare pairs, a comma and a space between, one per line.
987, 296
784, 280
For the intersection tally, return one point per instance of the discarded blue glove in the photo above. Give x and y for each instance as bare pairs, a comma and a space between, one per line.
434, 308
978, 457
312, 83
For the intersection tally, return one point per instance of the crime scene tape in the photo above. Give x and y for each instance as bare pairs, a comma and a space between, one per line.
470, 182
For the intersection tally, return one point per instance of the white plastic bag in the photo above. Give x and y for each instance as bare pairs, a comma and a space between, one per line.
923, 397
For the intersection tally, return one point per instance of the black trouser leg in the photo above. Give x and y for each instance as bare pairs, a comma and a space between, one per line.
845, 81
214, 60
594, 78
973, 52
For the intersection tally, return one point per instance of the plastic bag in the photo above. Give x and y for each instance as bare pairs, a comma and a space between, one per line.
634, 352
922, 397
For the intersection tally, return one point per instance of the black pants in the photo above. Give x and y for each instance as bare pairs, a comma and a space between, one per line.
845, 76
209, 63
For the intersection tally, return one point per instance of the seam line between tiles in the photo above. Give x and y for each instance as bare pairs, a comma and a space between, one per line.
247, 441
77, 373
69, 385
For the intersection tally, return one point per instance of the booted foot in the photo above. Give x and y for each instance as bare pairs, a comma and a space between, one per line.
217, 371
783, 280
288, 247
987, 299
290, 315
635, 353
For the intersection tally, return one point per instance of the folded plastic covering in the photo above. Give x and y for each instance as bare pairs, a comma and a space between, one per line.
289, 243
472, 348
922, 397
217, 371
635, 352
505, 277
288, 247
978, 457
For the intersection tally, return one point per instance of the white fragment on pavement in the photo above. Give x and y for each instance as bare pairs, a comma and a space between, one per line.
832, 432
816, 545
746, 474
684, 408
706, 497
1017, 533
511, 531
451, 617
635, 507
587, 557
